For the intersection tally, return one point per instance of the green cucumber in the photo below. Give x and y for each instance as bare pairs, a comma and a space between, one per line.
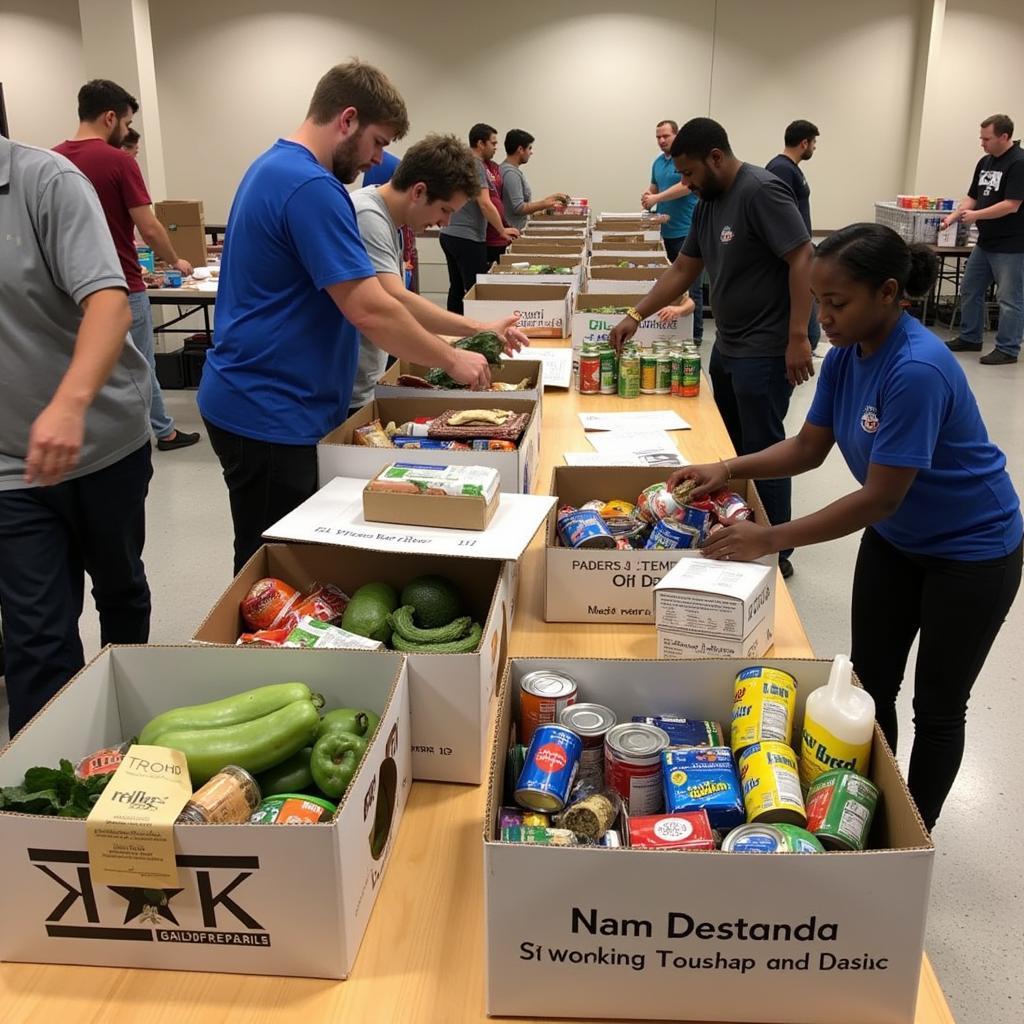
401, 621
463, 646
290, 776
242, 707
255, 746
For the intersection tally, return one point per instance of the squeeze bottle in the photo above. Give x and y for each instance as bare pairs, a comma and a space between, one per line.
839, 721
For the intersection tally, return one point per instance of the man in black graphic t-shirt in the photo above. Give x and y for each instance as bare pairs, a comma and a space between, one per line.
994, 203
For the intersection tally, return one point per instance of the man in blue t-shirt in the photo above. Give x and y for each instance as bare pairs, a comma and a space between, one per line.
801, 139
674, 199
296, 287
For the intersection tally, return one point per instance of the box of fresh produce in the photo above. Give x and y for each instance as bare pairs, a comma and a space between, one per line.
596, 313
615, 531
451, 616
387, 429
270, 737
521, 377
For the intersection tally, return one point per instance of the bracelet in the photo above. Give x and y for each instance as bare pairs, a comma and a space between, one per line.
728, 471
632, 313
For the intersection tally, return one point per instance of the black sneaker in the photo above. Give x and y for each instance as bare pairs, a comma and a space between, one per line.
786, 568
181, 439
959, 345
997, 357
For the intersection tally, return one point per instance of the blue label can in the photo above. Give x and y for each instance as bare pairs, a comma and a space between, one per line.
584, 528
669, 536
551, 764
698, 518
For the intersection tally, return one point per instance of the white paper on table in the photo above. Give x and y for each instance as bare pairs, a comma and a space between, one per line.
206, 286
656, 419
334, 515
631, 441
671, 458
557, 364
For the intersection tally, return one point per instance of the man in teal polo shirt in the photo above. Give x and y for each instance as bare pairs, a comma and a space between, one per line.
674, 200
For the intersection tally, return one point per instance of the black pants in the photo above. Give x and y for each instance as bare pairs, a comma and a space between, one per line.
753, 397
673, 247
958, 608
49, 538
465, 260
495, 252
265, 482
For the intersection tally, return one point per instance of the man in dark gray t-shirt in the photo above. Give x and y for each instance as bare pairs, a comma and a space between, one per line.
74, 429
750, 236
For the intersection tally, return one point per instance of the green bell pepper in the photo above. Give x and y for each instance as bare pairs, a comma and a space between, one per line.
335, 759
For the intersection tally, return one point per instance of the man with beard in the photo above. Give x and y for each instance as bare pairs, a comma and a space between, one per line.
105, 113
749, 235
296, 289
801, 140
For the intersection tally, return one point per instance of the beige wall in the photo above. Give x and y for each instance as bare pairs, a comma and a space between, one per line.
42, 67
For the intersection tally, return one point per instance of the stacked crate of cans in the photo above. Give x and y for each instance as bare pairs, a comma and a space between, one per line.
580, 777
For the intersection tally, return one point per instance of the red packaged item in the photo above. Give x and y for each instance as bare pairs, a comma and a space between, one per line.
730, 507
102, 762
265, 637
690, 830
267, 601
325, 602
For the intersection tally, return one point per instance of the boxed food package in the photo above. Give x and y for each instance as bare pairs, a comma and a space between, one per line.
511, 372
447, 497
592, 322
588, 932
186, 228
612, 585
251, 898
544, 310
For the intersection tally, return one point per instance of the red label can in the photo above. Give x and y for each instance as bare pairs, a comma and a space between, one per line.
590, 373
542, 697
632, 765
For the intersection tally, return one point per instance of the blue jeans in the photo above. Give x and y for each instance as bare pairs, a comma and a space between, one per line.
142, 334
1006, 269
752, 395
673, 246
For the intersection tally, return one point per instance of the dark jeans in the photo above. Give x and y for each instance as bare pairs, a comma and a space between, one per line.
673, 246
958, 608
265, 482
49, 538
465, 260
753, 397
495, 252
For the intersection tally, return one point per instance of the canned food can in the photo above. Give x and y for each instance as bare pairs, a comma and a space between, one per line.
584, 528
686, 831
589, 377
799, 839
703, 778
648, 373
293, 809
763, 703
730, 506
632, 765
840, 808
663, 385
229, 798
689, 374
609, 370
670, 536
656, 502
770, 778
677, 371
552, 761
543, 696
611, 839
687, 732
698, 519
755, 839
629, 374
590, 722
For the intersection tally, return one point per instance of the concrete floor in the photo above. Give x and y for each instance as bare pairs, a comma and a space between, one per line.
974, 928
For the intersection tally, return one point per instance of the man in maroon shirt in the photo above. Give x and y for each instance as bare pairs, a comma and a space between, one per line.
105, 112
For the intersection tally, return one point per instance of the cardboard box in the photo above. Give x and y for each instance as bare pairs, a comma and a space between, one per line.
510, 371
614, 247
716, 599
253, 899
593, 585
621, 280
504, 274
183, 220
548, 243
604, 260
637, 934
673, 644
588, 326
338, 455
441, 511
544, 310
450, 695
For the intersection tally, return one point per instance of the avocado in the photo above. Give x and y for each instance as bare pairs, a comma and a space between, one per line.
367, 613
435, 601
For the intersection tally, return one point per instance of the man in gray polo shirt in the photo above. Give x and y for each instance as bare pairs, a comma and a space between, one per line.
434, 180
75, 458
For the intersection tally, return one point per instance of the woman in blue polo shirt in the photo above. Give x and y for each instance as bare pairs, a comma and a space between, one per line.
941, 549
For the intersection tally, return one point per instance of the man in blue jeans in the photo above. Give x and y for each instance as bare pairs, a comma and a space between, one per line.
672, 198
749, 235
994, 204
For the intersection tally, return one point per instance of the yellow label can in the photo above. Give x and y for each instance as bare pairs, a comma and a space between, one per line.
763, 706
771, 785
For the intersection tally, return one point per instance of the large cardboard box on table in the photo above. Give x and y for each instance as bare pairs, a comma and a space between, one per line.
571, 246
503, 273
609, 585
616, 247
589, 326
186, 227
544, 310
711, 936
251, 899
338, 454
649, 261
625, 280
450, 695
511, 371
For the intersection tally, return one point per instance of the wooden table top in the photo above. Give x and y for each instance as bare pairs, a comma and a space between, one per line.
422, 958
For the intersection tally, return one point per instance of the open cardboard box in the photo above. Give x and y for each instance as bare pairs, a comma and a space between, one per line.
543, 309
627, 934
598, 585
450, 695
591, 327
604, 260
548, 243
621, 280
511, 371
338, 455
503, 273
290, 900
440, 511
